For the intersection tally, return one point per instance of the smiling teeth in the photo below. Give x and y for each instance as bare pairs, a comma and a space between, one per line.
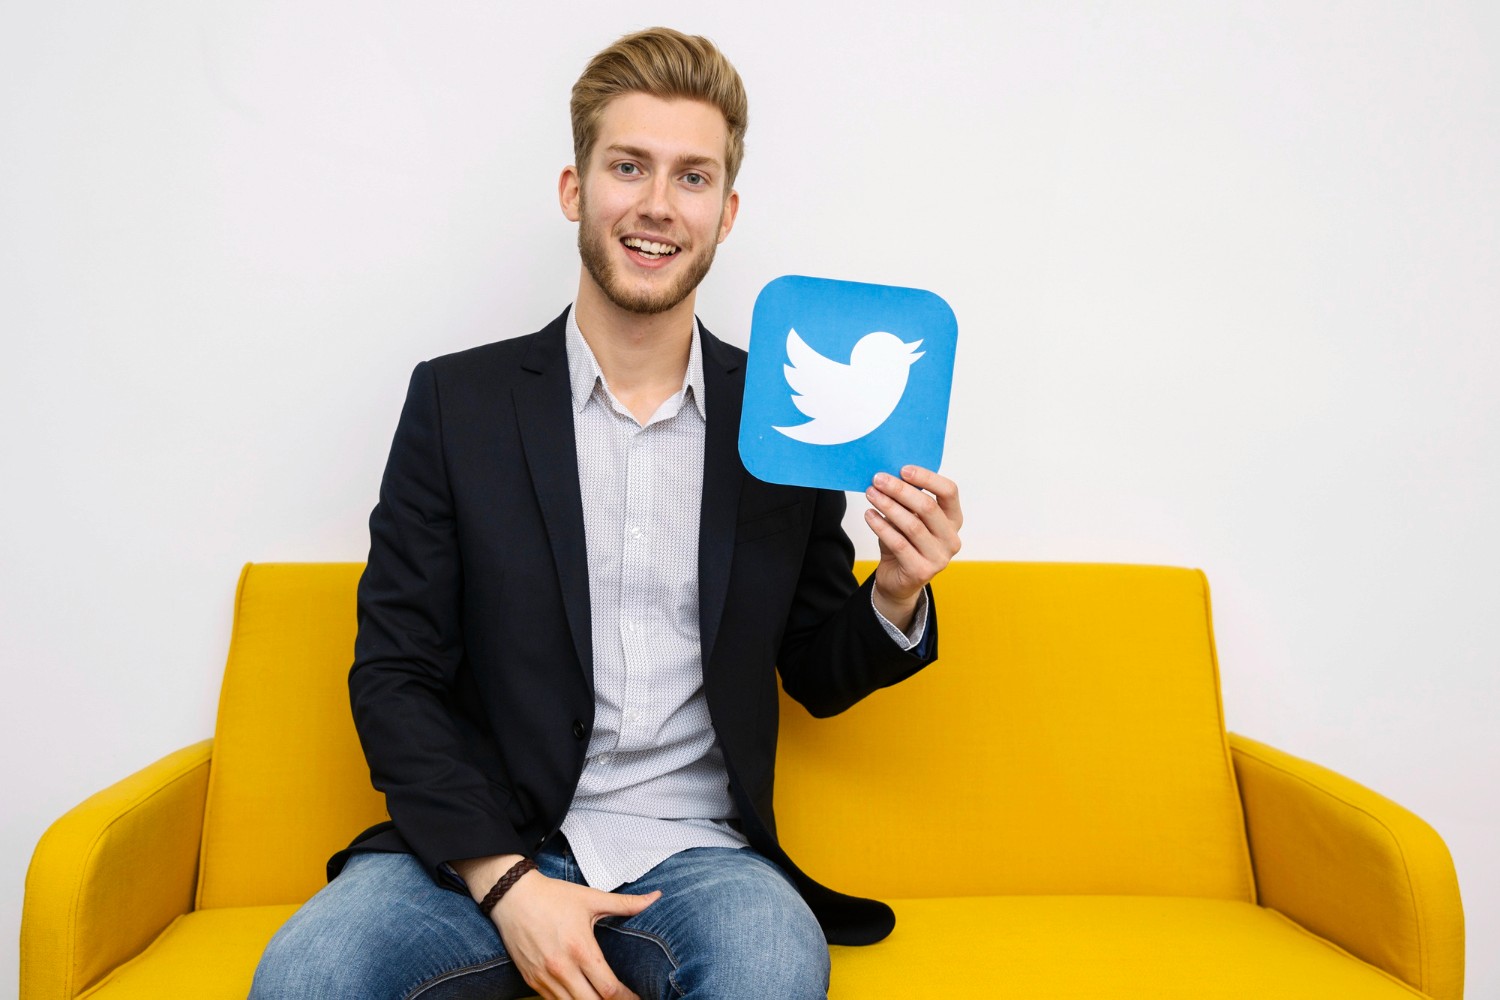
650, 248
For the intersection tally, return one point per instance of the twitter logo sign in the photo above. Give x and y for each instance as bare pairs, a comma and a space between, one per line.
845, 380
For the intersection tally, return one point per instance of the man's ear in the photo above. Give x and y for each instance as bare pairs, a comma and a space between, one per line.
726, 219
569, 192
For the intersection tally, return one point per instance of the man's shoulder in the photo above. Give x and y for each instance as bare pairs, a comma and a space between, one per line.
501, 358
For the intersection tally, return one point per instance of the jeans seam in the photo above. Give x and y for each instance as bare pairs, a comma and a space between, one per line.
463, 970
660, 943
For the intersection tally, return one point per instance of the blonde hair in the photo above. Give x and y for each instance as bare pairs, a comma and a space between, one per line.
667, 64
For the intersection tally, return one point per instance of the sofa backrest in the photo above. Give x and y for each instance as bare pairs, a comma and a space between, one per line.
1068, 740
288, 784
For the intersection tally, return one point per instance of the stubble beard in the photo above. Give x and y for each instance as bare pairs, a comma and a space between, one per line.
593, 250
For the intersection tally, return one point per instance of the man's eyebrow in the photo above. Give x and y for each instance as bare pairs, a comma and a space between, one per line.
689, 160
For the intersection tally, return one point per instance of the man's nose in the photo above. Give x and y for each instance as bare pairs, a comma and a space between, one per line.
656, 200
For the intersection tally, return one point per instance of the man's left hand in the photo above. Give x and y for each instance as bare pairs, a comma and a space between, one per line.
916, 520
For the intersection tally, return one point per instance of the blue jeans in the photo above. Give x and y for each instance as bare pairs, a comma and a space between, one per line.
729, 924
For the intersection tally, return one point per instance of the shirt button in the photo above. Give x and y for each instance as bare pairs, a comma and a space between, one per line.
578, 731
635, 532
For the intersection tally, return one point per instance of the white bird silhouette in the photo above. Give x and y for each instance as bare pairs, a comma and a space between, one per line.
846, 402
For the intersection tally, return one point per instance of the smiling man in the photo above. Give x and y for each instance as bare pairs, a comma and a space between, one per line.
574, 610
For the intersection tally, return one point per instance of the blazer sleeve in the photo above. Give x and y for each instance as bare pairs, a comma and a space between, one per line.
409, 648
834, 650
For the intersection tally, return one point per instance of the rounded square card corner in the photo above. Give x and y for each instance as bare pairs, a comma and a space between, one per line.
753, 458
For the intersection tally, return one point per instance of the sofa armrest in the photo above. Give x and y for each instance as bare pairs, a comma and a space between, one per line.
108, 876
1352, 867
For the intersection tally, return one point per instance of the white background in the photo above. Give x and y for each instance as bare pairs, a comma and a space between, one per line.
1227, 277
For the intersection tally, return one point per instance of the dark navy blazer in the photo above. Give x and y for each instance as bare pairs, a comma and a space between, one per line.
472, 678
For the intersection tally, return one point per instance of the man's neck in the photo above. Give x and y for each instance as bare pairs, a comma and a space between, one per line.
643, 357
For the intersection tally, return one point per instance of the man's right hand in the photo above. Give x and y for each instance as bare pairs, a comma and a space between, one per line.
547, 926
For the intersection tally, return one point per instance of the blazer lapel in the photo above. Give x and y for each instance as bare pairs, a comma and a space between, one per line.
544, 414
724, 391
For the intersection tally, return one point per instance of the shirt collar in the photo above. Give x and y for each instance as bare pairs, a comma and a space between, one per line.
584, 373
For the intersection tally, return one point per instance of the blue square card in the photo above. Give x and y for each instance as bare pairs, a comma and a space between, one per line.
845, 380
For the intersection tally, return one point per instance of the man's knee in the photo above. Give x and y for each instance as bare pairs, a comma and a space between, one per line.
379, 930
740, 931
787, 960
294, 964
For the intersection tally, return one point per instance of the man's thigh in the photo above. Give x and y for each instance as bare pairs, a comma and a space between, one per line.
382, 930
729, 924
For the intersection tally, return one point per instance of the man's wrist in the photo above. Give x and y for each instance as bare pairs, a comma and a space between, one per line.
480, 874
898, 612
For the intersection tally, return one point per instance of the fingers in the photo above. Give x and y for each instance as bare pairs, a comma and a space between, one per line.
601, 978
580, 974
547, 928
597, 978
916, 518
583, 973
619, 904
920, 516
943, 489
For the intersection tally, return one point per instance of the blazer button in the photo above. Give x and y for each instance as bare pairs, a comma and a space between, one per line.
578, 731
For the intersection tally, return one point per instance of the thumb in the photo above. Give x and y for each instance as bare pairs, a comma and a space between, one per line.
618, 904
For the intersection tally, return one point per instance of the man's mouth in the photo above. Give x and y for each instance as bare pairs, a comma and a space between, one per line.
650, 249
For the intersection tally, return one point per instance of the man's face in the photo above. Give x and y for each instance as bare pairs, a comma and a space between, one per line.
651, 202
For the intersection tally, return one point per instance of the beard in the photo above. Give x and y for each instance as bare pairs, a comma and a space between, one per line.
594, 249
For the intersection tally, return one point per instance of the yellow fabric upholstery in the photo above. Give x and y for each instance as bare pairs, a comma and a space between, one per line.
1037, 947
1069, 735
1353, 866
1052, 808
111, 873
284, 705
1101, 948
203, 955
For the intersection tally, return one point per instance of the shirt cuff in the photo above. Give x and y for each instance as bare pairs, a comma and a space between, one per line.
913, 637
455, 880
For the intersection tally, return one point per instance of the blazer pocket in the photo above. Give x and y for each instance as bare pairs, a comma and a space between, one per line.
769, 523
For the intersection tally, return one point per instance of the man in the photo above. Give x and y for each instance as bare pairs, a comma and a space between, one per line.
574, 609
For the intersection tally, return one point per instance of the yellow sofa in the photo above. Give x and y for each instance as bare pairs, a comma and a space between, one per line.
1054, 809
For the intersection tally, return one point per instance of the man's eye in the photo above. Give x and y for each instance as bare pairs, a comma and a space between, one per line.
628, 168
695, 178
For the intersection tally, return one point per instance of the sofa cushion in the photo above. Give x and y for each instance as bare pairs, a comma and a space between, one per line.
1102, 947
207, 955
1024, 946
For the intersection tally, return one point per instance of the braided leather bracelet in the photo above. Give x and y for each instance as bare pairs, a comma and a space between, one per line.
510, 878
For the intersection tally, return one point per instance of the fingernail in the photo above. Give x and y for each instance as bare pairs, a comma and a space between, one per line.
881, 478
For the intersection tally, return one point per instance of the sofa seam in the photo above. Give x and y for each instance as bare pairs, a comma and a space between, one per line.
1246, 857
73, 906
1400, 853
208, 795
1348, 954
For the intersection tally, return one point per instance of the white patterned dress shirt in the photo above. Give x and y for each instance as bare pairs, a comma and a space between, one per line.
653, 781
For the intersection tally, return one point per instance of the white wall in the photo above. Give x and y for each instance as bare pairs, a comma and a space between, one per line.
1227, 276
